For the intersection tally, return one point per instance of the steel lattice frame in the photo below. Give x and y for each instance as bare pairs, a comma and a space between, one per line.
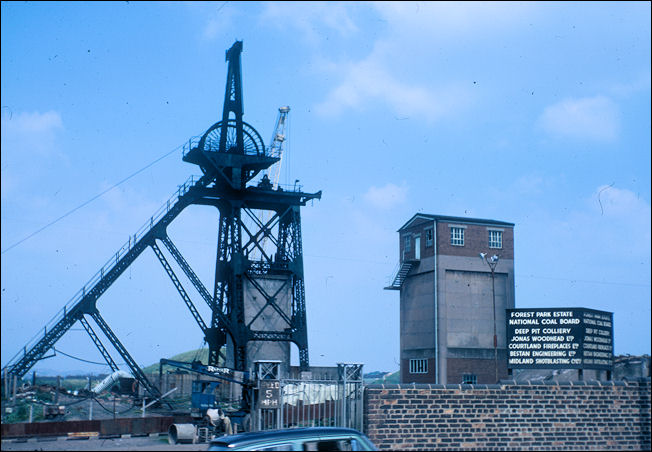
239, 157
227, 169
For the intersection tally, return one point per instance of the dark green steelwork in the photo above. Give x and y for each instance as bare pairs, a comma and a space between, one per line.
230, 154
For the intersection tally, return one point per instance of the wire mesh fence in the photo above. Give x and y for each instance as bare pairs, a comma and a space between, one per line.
314, 403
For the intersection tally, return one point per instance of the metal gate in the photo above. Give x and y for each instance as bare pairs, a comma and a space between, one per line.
288, 403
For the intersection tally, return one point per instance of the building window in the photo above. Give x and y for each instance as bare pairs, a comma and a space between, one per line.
457, 236
408, 243
469, 379
495, 239
429, 236
418, 366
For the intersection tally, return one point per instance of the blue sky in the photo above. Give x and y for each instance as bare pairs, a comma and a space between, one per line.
533, 113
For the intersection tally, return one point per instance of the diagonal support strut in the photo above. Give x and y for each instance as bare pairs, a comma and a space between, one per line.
135, 369
179, 287
98, 344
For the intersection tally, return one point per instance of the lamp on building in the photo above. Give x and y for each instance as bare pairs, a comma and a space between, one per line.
492, 262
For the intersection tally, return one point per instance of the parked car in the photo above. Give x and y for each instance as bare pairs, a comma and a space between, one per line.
308, 438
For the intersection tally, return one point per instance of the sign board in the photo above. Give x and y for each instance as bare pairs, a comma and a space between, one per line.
559, 338
269, 394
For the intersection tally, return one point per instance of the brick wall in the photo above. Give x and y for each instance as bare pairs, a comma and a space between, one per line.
585, 415
476, 240
419, 227
483, 369
407, 377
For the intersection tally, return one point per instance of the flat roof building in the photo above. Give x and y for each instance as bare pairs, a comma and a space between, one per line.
447, 293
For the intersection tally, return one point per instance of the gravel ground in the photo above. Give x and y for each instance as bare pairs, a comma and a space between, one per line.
63, 443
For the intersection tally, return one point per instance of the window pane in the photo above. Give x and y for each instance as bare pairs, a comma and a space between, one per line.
418, 366
457, 236
469, 379
495, 239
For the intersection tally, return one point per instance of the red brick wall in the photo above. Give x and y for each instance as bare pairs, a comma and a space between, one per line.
484, 369
573, 416
419, 227
407, 377
476, 240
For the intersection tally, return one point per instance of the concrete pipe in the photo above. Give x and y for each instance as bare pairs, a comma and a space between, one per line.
182, 433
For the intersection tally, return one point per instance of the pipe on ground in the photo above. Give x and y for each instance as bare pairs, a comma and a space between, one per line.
182, 434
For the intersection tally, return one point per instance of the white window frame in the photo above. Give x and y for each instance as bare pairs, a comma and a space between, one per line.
430, 236
495, 238
457, 236
418, 366
407, 244
469, 379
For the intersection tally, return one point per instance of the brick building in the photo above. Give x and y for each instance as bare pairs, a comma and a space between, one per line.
446, 298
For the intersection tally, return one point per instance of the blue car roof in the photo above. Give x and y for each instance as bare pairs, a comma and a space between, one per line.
289, 433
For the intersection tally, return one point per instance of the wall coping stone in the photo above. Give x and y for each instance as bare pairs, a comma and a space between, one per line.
507, 383
640, 380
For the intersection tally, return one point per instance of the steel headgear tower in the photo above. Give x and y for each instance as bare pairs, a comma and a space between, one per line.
258, 297
259, 294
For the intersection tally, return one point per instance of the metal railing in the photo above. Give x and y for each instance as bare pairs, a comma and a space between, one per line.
315, 403
192, 142
124, 249
392, 277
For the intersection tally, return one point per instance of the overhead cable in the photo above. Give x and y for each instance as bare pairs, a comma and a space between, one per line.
80, 359
91, 200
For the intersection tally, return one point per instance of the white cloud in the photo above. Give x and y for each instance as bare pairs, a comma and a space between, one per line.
368, 80
122, 209
219, 21
451, 19
616, 202
412, 35
614, 227
530, 184
311, 19
215, 19
387, 196
411, 30
639, 84
30, 134
28, 123
609, 245
593, 118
